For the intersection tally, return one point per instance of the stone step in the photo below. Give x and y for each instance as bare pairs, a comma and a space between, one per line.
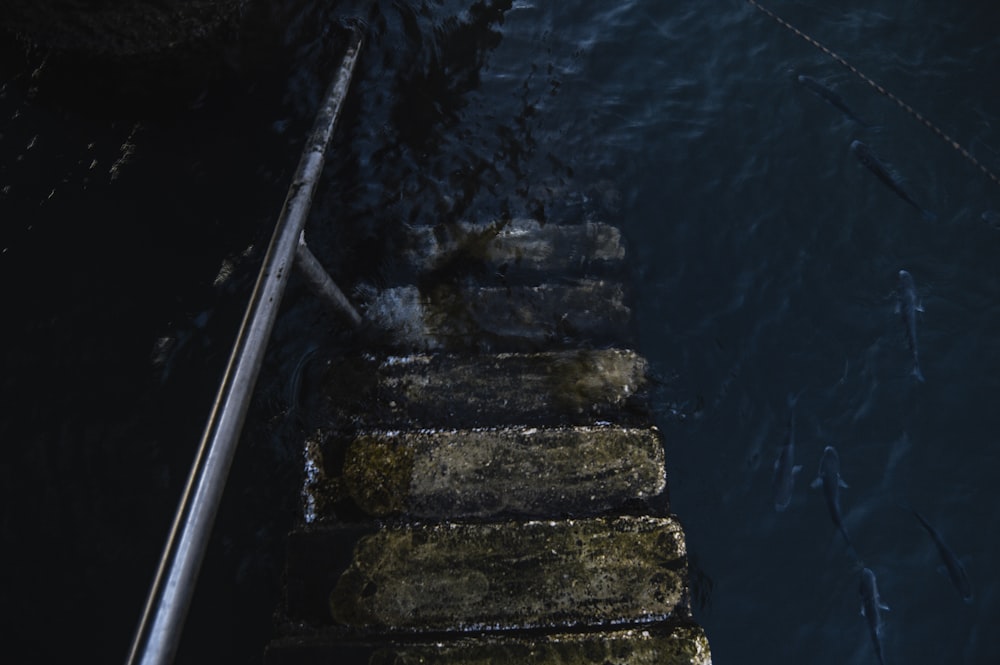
512, 249
579, 387
462, 577
484, 473
510, 318
657, 644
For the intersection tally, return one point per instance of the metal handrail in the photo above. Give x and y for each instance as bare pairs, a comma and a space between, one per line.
158, 635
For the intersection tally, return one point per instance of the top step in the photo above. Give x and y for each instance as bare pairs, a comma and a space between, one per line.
513, 249
506, 318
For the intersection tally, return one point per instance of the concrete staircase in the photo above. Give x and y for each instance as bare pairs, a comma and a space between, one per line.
488, 486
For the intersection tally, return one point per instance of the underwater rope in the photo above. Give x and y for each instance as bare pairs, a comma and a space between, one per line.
899, 102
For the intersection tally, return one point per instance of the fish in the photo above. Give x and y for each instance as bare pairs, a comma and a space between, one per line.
907, 306
992, 217
829, 479
885, 173
871, 609
785, 467
956, 571
832, 98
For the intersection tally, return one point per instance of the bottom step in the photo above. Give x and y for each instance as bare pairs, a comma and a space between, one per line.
652, 645
449, 578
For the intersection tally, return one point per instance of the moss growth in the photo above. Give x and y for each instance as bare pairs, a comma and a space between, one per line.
469, 253
377, 474
590, 378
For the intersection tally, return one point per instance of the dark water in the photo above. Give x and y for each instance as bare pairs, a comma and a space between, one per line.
765, 261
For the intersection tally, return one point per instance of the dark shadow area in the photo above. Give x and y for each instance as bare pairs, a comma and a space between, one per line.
137, 195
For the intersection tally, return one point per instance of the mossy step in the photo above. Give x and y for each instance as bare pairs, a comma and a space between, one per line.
461, 577
578, 387
657, 644
508, 318
511, 248
450, 474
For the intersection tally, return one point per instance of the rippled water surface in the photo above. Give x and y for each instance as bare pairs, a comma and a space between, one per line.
764, 258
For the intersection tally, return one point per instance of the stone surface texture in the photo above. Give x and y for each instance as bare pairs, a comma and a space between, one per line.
482, 473
514, 575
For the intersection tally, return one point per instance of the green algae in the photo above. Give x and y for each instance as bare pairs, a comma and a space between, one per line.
378, 472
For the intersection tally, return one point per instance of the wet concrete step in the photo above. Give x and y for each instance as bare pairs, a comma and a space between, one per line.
483, 473
656, 644
461, 577
513, 249
509, 318
578, 387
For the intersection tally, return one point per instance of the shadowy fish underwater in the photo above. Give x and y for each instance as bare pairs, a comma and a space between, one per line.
907, 306
832, 98
956, 571
829, 479
871, 609
785, 467
887, 175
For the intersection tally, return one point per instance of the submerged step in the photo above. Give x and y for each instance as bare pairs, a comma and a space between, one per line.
513, 318
578, 387
508, 248
657, 644
448, 474
495, 576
